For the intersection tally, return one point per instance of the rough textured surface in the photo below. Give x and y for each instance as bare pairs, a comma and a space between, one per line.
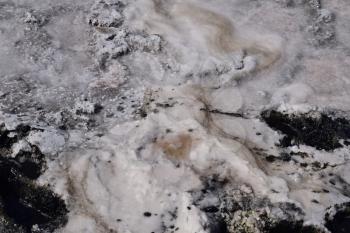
191, 116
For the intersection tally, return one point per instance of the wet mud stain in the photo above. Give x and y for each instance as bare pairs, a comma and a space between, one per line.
24, 206
314, 129
176, 147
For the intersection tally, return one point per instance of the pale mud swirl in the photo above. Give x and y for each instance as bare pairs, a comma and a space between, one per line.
214, 34
223, 38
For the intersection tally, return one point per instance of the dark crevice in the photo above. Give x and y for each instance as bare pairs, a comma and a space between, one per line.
216, 111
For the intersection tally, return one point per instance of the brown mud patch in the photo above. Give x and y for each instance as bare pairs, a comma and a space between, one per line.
176, 147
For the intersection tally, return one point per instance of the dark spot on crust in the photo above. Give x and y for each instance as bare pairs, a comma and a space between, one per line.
147, 214
270, 158
97, 108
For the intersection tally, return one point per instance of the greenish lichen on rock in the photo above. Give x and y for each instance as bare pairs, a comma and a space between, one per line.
239, 210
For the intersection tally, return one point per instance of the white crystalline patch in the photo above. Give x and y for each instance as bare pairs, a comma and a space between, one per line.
294, 94
30, 18
49, 141
226, 100
105, 16
325, 15
81, 223
85, 107
151, 43
21, 145
117, 46
10, 121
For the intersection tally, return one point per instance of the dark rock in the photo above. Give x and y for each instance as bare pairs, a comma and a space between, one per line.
218, 226
323, 132
340, 221
24, 204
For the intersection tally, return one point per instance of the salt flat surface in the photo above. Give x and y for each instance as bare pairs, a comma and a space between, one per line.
149, 111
